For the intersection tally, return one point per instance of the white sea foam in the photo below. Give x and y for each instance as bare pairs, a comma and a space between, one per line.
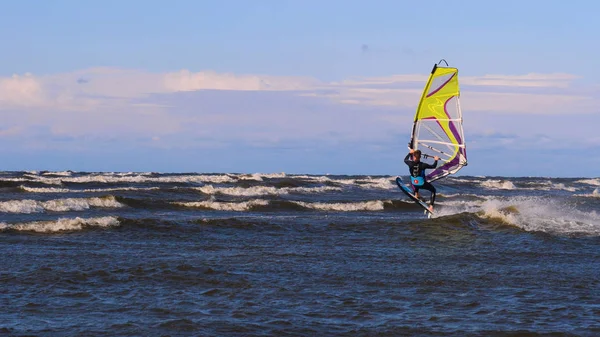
593, 182
225, 206
561, 186
461, 180
320, 179
59, 173
540, 214
45, 189
62, 224
460, 195
594, 194
374, 205
378, 183
254, 177
384, 183
498, 184
264, 190
457, 206
15, 179
89, 190
528, 213
240, 191
60, 178
548, 185
260, 176
58, 205
138, 178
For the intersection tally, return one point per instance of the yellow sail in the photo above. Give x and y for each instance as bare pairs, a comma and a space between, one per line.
438, 124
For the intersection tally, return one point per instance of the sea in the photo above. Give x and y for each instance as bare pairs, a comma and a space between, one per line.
234, 254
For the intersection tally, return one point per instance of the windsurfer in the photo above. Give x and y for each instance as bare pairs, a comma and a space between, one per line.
417, 174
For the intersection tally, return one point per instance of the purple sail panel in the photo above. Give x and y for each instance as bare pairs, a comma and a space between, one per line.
451, 124
444, 170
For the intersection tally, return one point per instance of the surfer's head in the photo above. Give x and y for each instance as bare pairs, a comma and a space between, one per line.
417, 155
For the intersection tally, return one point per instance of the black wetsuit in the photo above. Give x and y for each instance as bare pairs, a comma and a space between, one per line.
418, 169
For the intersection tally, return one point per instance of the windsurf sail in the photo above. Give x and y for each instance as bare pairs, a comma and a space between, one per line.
438, 125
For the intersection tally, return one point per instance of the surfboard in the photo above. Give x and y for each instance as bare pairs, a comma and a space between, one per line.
409, 192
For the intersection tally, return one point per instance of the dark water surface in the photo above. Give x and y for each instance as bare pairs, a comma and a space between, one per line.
143, 254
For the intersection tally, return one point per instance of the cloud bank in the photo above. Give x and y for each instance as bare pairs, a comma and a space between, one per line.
184, 110
105, 86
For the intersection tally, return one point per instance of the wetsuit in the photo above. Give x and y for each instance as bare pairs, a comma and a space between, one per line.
418, 170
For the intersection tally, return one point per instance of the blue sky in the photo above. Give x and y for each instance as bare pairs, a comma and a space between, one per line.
293, 86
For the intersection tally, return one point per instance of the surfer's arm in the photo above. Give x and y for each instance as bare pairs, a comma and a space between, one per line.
434, 165
407, 161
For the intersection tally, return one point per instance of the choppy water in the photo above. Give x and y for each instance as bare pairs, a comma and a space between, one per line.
144, 254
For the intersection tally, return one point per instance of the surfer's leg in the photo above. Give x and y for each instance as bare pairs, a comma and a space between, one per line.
416, 189
431, 189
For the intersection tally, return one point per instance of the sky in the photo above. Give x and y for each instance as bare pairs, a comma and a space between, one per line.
317, 87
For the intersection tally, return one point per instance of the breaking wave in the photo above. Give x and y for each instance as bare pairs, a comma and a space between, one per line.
61, 225
58, 205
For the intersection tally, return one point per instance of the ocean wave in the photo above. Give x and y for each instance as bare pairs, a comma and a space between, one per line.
561, 186
58, 173
266, 205
89, 190
548, 185
455, 206
58, 205
594, 194
323, 179
461, 196
540, 214
263, 190
61, 225
473, 180
279, 180
374, 205
593, 181
12, 180
527, 213
498, 184
260, 176
44, 189
138, 178
377, 183
237, 223
225, 206
384, 183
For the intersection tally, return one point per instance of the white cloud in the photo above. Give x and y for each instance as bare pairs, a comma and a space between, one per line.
185, 80
527, 103
529, 80
558, 80
387, 80
94, 87
21, 90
